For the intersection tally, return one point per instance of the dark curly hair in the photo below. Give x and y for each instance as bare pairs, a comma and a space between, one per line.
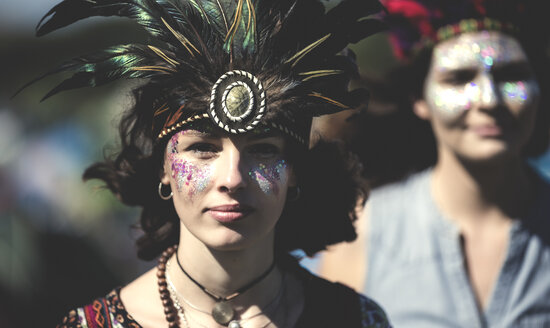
328, 176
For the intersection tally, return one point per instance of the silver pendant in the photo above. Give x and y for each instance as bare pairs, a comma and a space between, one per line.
234, 324
222, 313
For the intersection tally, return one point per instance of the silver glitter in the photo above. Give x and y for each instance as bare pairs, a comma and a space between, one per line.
481, 52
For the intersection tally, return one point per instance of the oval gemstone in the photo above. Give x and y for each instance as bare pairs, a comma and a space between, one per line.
238, 100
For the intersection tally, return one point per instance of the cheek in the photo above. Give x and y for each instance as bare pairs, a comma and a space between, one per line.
519, 95
450, 103
270, 177
190, 177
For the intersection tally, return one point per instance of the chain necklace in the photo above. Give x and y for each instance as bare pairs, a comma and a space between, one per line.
233, 323
223, 312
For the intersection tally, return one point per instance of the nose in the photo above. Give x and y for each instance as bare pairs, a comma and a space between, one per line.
489, 94
232, 176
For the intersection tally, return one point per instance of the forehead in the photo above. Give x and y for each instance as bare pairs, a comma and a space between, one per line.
476, 49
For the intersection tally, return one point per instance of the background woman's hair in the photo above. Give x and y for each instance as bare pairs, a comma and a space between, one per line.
328, 177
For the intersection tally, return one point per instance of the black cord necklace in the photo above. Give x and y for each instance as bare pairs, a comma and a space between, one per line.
223, 312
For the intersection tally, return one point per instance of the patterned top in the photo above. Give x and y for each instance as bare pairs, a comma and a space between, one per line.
326, 305
417, 270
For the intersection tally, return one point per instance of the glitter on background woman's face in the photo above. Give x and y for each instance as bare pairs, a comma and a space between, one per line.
480, 53
515, 92
188, 176
270, 176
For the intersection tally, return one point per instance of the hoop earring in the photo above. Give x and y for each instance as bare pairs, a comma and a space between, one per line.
161, 195
293, 194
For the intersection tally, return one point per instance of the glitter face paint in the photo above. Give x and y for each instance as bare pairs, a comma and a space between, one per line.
188, 176
270, 176
482, 53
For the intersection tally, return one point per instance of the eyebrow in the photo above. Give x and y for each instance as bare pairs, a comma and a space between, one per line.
264, 134
219, 134
201, 134
517, 64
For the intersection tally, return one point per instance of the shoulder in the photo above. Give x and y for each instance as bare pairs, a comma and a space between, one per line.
538, 218
397, 190
105, 311
372, 314
391, 207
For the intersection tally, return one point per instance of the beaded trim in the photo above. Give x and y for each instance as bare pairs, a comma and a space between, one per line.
464, 26
180, 124
280, 127
472, 25
260, 110
289, 132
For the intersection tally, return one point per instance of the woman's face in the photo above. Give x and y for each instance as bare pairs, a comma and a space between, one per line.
480, 95
229, 190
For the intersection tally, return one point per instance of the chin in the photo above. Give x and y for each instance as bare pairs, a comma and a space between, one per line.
230, 240
493, 153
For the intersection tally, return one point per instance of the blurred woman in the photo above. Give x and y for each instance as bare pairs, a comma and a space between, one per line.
465, 243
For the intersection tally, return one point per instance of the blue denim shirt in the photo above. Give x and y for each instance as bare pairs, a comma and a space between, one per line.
417, 272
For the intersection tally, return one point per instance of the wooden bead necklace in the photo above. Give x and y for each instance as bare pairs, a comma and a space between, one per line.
170, 310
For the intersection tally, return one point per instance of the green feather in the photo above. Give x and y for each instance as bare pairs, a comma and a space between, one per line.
242, 31
123, 61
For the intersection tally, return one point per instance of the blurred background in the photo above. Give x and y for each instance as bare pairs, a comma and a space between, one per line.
64, 242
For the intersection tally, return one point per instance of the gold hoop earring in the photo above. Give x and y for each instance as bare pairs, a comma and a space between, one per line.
161, 195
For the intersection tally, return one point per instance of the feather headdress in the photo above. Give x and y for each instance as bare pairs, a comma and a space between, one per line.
238, 62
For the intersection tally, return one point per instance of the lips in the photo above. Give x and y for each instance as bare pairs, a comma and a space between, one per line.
487, 130
230, 212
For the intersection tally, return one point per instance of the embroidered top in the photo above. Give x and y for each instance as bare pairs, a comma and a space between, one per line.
326, 305
416, 266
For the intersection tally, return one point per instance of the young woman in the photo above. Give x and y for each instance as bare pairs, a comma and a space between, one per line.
215, 151
467, 242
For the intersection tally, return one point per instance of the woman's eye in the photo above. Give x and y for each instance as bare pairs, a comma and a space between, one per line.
459, 77
264, 150
203, 149
513, 73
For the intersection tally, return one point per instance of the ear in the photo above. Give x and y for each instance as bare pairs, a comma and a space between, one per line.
422, 110
165, 172
165, 178
292, 178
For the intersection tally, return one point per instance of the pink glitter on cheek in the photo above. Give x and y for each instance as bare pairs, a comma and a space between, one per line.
190, 177
270, 176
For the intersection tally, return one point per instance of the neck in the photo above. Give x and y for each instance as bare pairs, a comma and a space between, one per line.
224, 272
471, 192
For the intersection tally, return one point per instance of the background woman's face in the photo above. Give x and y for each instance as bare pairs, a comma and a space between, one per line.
229, 191
481, 95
